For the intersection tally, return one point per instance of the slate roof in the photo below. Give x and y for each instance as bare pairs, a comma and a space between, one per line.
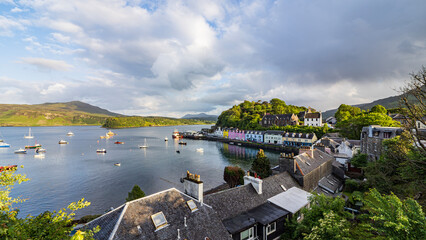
235, 201
200, 224
330, 183
291, 200
106, 222
312, 115
299, 135
274, 132
308, 163
264, 214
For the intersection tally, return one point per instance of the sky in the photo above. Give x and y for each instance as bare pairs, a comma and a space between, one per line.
172, 57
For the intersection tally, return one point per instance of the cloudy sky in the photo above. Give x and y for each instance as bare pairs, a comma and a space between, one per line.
175, 57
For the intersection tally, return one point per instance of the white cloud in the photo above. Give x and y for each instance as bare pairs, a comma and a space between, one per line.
8, 25
54, 89
47, 64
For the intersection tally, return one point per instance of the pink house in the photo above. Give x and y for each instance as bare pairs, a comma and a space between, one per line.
237, 134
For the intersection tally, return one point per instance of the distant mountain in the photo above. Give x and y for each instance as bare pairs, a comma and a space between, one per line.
200, 116
389, 102
53, 114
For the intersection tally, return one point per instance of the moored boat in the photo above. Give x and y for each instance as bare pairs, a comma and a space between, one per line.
21, 151
63, 142
117, 164
176, 134
29, 134
182, 143
118, 142
166, 139
33, 147
70, 133
144, 145
4, 145
103, 150
40, 150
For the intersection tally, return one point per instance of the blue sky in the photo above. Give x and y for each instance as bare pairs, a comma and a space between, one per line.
175, 57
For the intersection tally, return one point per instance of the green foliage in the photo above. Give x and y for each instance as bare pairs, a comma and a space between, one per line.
351, 125
400, 169
344, 112
261, 165
247, 115
393, 218
135, 193
48, 225
126, 122
379, 109
351, 185
331, 226
233, 176
359, 160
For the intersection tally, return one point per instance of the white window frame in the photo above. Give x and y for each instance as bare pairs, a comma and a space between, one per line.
269, 228
250, 234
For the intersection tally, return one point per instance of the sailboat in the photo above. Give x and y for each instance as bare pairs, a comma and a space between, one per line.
144, 145
29, 134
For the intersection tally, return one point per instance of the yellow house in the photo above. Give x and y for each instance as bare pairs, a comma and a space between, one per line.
225, 133
299, 139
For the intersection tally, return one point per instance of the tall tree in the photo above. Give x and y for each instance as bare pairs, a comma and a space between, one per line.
261, 165
135, 193
233, 175
414, 99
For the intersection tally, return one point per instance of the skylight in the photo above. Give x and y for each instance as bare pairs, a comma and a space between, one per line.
159, 220
192, 205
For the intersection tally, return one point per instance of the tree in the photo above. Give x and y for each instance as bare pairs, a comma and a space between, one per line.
393, 218
135, 193
261, 165
48, 225
331, 226
414, 100
379, 109
344, 112
359, 160
233, 175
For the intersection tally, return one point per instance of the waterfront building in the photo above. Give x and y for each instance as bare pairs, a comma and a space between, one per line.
273, 137
372, 138
279, 120
236, 134
313, 119
225, 132
298, 139
254, 136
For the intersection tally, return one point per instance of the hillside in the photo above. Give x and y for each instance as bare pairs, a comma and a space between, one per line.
128, 122
53, 114
201, 116
388, 103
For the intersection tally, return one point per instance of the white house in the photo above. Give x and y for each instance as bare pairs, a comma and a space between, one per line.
313, 119
274, 137
218, 132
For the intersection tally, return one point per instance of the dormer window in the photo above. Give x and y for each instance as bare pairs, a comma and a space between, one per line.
159, 220
191, 204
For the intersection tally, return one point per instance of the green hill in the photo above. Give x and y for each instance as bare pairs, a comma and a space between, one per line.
135, 121
53, 114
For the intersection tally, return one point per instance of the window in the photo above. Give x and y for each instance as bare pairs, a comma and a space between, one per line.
192, 205
159, 220
271, 228
387, 134
247, 234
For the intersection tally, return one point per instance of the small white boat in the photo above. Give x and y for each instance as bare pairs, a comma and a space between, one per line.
40, 150
200, 150
21, 151
63, 142
103, 150
29, 134
144, 145
117, 164
70, 133
39, 155
4, 145
166, 139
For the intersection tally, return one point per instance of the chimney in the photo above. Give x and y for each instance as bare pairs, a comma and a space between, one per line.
193, 186
255, 182
307, 150
286, 162
320, 147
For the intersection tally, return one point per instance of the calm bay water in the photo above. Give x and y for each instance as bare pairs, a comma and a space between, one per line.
72, 171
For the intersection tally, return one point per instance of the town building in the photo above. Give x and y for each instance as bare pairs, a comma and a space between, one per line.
372, 138
225, 132
218, 132
236, 134
299, 139
279, 120
404, 120
341, 148
273, 137
313, 119
254, 136
170, 214
301, 115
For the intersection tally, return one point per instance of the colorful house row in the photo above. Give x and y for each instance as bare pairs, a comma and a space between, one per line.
269, 136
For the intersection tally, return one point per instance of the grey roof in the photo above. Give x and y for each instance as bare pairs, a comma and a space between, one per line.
274, 132
235, 201
299, 135
106, 222
308, 163
330, 183
291, 200
264, 214
312, 115
200, 224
